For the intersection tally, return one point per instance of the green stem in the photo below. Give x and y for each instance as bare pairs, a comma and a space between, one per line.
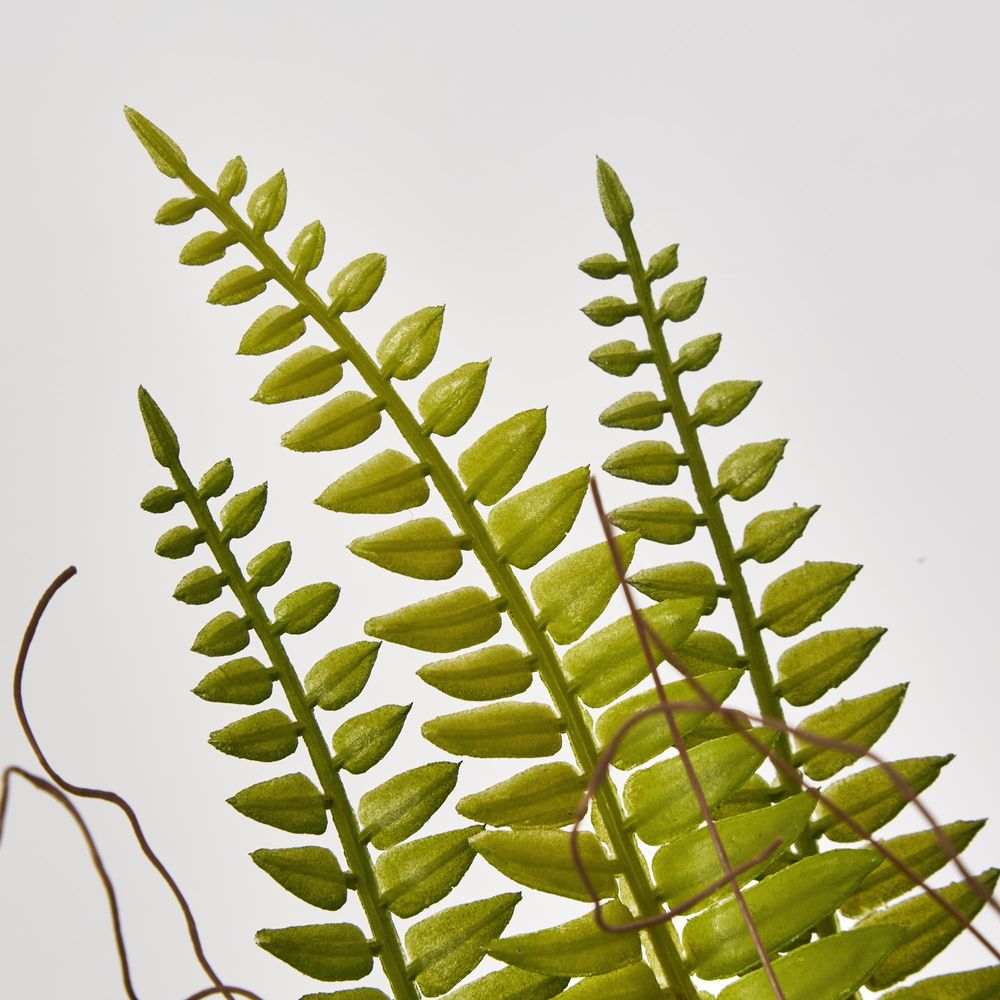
356, 854
471, 524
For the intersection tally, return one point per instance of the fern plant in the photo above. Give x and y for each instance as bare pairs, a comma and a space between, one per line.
529, 811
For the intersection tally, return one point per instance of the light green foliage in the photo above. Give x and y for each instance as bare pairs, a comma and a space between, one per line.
678, 580
618, 357
980, 984
388, 483
745, 472
449, 401
544, 795
269, 735
328, 952
239, 682
663, 519
409, 347
291, 803
309, 372
442, 624
337, 678
511, 984
770, 535
353, 287
399, 807
812, 667
482, 675
638, 411
360, 743
494, 464
347, 420
303, 609
802, 596
273, 330
224, 635
633, 982
698, 353
311, 873
424, 549
503, 729
266, 568
723, 402
653, 462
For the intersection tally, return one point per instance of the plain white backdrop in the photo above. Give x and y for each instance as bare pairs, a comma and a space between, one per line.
834, 174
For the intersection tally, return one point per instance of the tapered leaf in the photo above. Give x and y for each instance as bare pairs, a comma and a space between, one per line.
802, 596
812, 667
291, 802
651, 736
928, 928
446, 947
678, 580
409, 347
311, 873
273, 330
503, 729
328, 952
239, 682
511, 984
667, 520
620, 357
347, 420
306, 250
653, 462
205, 248
633, 982
232, 179
922, 852
179, 542
571, 593
268, 567
448, 402
609, 310
305, 608
662, 263
482, 675
611, 661
399, 807
723, 402
224, 635
638, 411
160, 500
660, 800
269, 735
417, 874
680, 302
243, 512
699, 353
388, 483
871, 797
237, 286
177, 210
217, 480
773, 533
980, 984
354, 286
529, 525
688, 865
309, 372
745, 472
861, 721
200, 586
361, 742
832, 968
494, 464
782, 906
541, 859
364, 993
546, 795
266, 205
703, 652
339, 677
442, 624
576, 948
166, 155
425, 549
615, 202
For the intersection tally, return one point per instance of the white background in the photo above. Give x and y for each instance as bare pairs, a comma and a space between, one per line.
833, 173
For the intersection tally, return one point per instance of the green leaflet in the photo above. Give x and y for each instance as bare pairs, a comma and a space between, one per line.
660, 800
633, 982
311, 873
651, 736
861, 720
442, 624
448, 402
409, 347
365, 993
609, 310
528, 526
237, 286
653, 462
160, 500
177, 210
745, 472
360, 743
689, 864
269, 735
303, 609
576, 948
291, 803
339, 677
723, 402
425, 549
494, 464
306, 250
482, 675
273, 330
224, 635
638, 411
662, 263
446, 947
572, 593
353, 287
922, 852
603, 266
268, 567
619, 357
928, 928
419, 873
812, 667
347, 420
611, 661
802, 596
166, 155
773, 533
328, 952
704, 651
503, 729
872, 799
545, 795
239, 682
200, 586
386, 484
680, 302
678, 580
541, 859
667, 520
266, 205
216, 481
831, 968
205, 248
309, 372
783, 906
243, 512
980, 984
615, 202
179, 542
511, 984
698, 353
399, 807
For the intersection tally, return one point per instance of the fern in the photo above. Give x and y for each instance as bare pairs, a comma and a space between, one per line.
803, 890
408, 876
